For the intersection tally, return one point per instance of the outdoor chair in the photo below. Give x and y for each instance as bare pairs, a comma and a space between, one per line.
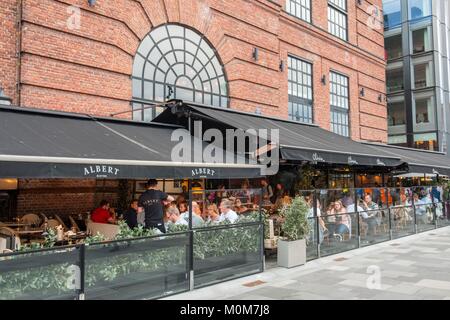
61, 222
12, 239
74, 224
31, 219
53, 223
43, 217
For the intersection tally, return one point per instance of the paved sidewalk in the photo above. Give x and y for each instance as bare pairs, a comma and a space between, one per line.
415, 267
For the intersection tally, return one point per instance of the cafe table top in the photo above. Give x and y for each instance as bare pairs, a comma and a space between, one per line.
28, 231
13, 224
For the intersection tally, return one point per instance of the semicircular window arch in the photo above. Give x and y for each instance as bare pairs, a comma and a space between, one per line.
175, 62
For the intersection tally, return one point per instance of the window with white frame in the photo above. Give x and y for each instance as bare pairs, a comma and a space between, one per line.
300, 90
299, 8
337, 18
339, 104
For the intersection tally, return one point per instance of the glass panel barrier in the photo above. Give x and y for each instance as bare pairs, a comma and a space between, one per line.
138, 268
49, 274
425, 217
443, 214
341, 233
226, 252
311, 241
374, 226
402, 221
235, 206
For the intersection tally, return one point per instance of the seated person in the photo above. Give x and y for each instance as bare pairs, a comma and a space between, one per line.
239, 208
197, 219
183, 208
370, 214
102, 213
226, 212
173, 216
342, 218
131, 215
213, 213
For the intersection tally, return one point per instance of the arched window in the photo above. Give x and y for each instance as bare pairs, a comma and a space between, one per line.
174, 62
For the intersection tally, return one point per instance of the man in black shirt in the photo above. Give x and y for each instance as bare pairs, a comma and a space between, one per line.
130, 216
152, 202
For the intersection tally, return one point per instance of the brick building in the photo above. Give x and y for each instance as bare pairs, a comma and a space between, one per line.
313, 61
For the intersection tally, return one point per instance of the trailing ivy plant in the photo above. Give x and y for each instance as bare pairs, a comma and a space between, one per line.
296, 226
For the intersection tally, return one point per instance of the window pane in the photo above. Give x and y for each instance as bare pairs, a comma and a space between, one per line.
423, 74
397, 117
419, 9
300, 90
186, 57
393, 46
339, 104
394, 78
337, 23
392, 13
421, 40
426, 141
299, 8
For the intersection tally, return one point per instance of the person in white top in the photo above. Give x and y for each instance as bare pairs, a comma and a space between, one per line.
226, 211
173, 215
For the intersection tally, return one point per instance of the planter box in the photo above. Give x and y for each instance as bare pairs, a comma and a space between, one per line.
271, 243
291, 253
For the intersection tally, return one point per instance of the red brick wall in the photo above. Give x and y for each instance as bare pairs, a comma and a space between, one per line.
63, 197
8, 42
87, 68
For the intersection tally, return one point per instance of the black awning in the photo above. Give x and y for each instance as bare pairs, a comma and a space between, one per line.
298, 142
419, 161
45, 144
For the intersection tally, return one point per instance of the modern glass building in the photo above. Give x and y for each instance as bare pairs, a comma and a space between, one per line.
417, 42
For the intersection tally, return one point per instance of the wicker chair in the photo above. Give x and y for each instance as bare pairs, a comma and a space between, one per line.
12, 239
74, 224
31, 219
53, 223
61, 222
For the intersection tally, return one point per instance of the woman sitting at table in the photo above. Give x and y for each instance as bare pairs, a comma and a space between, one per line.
213, 214
102, 213
342, 219
239, 208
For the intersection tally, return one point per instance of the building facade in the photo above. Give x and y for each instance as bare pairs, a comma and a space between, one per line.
318, 62
315, 61
417, 40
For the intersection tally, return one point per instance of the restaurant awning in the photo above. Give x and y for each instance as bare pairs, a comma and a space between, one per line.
46, 144
419, 161
298, 141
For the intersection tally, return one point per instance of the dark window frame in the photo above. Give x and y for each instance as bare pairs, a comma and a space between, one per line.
305, 105
339, 10
206, 74
339, 127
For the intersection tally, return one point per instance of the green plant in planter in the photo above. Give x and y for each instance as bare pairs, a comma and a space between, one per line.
95, 238
296, 226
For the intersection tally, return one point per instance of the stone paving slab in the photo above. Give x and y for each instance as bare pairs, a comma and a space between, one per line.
416, 267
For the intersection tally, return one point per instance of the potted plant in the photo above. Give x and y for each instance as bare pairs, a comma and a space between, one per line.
292, 246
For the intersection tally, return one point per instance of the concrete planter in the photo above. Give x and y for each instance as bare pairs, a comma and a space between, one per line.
291, 253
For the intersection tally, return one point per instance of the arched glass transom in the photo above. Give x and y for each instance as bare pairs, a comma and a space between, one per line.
174, 62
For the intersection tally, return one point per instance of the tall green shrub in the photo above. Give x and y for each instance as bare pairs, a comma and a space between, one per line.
296, 226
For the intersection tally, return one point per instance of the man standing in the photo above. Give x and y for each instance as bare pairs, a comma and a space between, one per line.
267, 192
152, 201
